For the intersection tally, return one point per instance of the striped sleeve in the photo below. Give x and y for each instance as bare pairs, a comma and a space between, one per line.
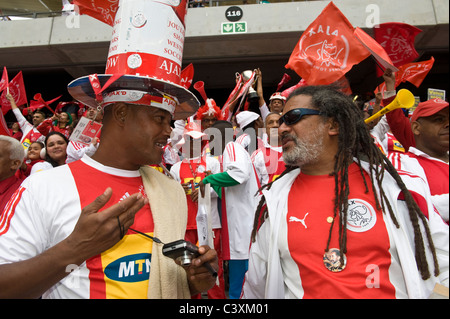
231, 152
394, 157
8, 212
22, 234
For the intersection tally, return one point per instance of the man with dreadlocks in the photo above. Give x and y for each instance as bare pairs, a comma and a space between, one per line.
341, 222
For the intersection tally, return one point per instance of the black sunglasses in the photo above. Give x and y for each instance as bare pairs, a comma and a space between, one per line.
295, 115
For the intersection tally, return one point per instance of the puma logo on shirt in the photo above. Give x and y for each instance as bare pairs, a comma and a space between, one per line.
295, 219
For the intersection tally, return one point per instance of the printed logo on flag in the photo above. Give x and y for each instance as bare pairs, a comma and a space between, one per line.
327, 49
398, 41
321, 45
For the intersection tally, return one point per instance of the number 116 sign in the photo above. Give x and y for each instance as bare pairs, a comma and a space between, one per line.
233, 14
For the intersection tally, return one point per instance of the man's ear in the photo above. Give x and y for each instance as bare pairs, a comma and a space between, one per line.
415, 128
119, 113
333, 127
15, 164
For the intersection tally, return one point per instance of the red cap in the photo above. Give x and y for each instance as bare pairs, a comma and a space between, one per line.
428, 108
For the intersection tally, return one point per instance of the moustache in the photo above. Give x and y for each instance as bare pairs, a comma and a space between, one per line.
286, 137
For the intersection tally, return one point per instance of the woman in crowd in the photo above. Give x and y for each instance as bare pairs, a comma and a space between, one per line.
55, 149
61, 122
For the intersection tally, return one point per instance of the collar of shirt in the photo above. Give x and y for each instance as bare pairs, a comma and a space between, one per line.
418, 152
6, 183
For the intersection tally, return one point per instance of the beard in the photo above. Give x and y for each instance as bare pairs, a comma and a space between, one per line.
304, 151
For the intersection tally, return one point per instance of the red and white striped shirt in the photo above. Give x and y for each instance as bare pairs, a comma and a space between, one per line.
44, 212
432, 170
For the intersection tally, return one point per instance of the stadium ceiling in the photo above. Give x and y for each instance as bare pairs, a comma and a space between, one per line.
15, 7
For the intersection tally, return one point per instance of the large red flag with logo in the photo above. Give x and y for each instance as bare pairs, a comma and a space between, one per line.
327, 49
375, 49
17, 90
103, 10
398, 41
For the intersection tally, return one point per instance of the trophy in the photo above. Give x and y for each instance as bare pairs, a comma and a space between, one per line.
251, 94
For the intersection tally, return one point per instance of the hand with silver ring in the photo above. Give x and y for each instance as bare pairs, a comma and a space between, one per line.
97, 231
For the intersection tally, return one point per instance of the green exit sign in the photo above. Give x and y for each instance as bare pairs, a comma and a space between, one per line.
234, 27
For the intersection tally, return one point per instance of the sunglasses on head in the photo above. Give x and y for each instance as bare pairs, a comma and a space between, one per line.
295, 115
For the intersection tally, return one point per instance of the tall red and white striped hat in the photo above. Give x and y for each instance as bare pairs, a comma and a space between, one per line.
144, 60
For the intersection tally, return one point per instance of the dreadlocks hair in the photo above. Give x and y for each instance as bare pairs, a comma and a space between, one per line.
356, 143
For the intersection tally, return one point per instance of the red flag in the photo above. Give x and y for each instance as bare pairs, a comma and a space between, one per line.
39, 103
375, 48
285, 79
4, 80
398, 41
239, 91
17, 90
187, 74
3, 127
343, 85
291, 89
103, 10
327, 49
414, 73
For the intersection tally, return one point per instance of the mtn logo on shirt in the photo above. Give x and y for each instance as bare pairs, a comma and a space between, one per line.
131, 268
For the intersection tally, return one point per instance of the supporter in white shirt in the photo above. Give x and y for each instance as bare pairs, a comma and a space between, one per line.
341, 212
53, 232
30, 132
240, 185
429, 158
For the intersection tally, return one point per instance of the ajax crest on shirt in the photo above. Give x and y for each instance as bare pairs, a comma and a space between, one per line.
361, 216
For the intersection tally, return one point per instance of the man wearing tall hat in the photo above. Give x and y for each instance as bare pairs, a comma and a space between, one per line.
83, 230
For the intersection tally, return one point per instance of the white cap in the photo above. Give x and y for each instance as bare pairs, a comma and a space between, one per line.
244, 118
193, 130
